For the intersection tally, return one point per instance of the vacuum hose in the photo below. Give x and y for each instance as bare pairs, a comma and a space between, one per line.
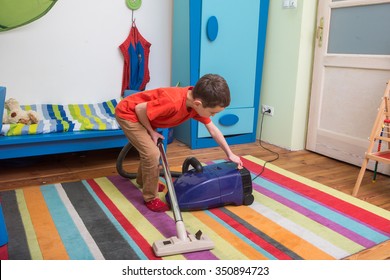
119, 164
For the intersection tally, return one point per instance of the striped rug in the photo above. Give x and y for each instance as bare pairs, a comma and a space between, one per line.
105, 218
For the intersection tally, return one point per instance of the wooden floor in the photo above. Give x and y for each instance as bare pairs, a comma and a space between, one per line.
75, 166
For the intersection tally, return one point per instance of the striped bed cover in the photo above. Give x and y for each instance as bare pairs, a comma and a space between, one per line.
67, 118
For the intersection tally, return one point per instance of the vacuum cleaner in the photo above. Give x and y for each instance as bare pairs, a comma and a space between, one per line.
204, 187
211, 186
183, 242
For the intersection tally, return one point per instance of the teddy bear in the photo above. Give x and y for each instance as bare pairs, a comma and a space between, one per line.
15, 114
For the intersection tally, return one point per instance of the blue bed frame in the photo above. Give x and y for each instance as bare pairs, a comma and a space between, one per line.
57, 143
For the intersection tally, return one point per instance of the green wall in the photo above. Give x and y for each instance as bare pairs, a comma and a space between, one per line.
287, 73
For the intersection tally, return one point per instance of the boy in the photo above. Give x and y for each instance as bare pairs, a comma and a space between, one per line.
140, 114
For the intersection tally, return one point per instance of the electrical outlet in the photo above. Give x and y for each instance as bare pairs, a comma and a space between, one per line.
289, 4
267, 110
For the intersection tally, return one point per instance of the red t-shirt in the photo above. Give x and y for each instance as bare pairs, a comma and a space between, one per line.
166, 107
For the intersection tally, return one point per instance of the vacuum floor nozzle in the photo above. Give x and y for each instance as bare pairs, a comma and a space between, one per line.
174, 245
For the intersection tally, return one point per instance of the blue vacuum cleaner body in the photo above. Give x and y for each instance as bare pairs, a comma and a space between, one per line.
211, 186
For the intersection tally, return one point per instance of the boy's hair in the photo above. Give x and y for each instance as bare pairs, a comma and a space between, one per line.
212, 90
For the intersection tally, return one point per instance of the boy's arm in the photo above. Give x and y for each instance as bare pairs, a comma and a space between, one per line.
220, 139
140, 110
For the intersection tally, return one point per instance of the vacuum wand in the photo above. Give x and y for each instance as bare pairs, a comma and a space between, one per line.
181, 231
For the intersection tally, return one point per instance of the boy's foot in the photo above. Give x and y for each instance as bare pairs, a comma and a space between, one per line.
161, 187
157, 205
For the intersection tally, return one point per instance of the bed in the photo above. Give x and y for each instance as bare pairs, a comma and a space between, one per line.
61, 140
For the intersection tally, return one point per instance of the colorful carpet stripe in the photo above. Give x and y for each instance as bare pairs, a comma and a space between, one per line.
105, 218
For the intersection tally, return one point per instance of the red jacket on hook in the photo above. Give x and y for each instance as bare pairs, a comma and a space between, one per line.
135, 50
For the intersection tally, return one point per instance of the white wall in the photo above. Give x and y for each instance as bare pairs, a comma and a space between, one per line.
71, 54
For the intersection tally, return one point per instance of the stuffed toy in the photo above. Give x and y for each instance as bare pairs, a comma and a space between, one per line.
15, 114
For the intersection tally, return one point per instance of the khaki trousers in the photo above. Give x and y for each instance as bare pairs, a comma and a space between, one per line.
148, 169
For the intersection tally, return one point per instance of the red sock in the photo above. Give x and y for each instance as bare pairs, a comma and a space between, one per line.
157, 205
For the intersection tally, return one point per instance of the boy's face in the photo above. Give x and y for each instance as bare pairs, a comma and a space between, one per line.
207, 112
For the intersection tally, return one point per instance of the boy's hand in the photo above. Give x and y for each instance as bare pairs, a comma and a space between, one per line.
155, 136
220, 139
236, 159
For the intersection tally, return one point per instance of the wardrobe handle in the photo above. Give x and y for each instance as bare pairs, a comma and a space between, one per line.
212, 28
229, 120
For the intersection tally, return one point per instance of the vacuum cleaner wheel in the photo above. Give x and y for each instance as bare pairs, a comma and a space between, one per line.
248, 199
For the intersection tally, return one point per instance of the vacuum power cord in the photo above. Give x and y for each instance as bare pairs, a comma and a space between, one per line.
265, 148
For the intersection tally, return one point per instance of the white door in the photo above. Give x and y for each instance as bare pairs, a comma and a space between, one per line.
351, 68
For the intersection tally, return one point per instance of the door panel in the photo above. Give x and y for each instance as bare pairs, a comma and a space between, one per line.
351, 68
353, 30
232, 54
